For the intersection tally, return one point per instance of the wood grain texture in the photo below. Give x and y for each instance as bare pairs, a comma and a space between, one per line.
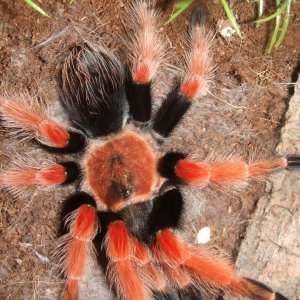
270, 251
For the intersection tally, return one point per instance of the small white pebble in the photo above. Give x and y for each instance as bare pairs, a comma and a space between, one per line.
25, 245
225, 28
203, 235
227, 31
43, 258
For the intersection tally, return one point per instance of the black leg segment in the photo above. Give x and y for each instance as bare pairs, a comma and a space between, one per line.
190, 293
170, 113
293, 161
278, 296
166, 211
167, 164
199, 16
72, 171
139, 99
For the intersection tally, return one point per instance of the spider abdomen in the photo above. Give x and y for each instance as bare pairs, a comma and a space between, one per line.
92, 90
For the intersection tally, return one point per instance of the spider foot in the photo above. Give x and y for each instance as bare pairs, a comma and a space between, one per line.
178, 168
293, 161
253, 288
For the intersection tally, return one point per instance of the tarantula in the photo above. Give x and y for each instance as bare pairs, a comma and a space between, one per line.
110, 109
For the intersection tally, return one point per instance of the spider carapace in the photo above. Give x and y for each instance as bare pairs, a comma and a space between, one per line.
125, 179
125, 167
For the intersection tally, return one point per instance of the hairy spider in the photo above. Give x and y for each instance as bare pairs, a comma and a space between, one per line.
126, 185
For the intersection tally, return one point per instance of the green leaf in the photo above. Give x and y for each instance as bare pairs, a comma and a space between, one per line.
231, 17
285, 23
278, 12
276, 30
36, 7
180, 7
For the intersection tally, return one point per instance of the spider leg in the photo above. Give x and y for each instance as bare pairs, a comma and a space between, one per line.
198, 61
206, 269
139, 260
23, 178
146, 51
176, 167
76, 247
122, 271
171, 112
189, 267
195, 82
131, 264
165, 214
92, 90
32, 121
149, 273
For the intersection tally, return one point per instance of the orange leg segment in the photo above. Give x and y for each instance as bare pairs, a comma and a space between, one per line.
146, 46
122, 271
32, 121
202, 174
207, 268
170, 248
78, 247
204, 269
21, 179
198, 64
150, 274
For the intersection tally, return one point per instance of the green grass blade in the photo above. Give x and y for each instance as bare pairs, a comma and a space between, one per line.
285, 23
278, 12
180, 6
276, 30
231, 17
36, 7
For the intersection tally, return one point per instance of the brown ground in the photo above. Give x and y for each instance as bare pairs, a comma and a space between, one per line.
242, 115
